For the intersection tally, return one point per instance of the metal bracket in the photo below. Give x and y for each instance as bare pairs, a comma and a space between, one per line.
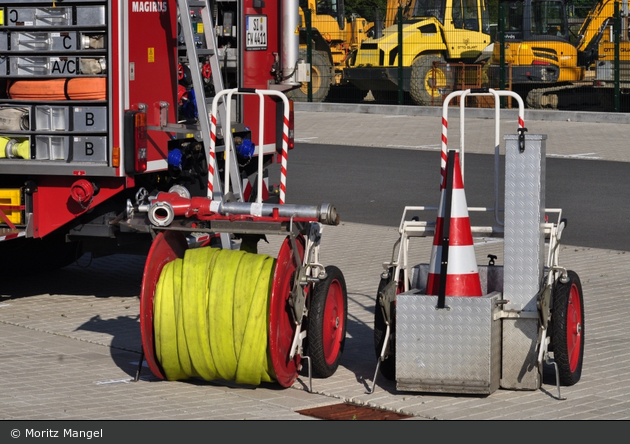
384, 301
380, 359
315, 271
310, 376
521, 139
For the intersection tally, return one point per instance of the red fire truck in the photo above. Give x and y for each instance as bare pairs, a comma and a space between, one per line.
104, 104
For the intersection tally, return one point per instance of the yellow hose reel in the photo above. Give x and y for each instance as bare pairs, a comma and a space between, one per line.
220, 314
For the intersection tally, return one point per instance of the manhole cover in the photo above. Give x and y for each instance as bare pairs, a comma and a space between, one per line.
350, 412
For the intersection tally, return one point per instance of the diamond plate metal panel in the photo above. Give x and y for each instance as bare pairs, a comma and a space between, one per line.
524, 246
455, 350
524, 214
519, 366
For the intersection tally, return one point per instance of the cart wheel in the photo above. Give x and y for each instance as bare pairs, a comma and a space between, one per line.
327, 317
167, 246
281, 326
388, 366
567, 331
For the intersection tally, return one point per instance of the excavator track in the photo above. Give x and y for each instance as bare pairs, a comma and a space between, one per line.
561, 97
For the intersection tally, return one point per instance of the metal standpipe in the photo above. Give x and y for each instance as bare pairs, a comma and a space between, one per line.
324, 213
474, 345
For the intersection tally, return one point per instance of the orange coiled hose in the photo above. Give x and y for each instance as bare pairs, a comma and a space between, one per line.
84, 88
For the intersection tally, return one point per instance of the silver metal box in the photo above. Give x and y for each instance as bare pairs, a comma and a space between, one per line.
44, 41
89, 149
89, 118
52, 118
52, 147
91, 15
44, 66
55, 16
452, 350
39, 16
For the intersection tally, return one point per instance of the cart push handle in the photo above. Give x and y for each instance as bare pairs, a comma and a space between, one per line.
261, 132
497, 121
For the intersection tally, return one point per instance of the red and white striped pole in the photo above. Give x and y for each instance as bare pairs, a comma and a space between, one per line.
443, 155
285, 152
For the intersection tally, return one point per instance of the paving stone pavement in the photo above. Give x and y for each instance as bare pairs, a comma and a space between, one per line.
71, 340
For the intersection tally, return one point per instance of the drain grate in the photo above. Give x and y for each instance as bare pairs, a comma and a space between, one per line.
351, 412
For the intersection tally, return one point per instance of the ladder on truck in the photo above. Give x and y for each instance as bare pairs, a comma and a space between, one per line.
194, 55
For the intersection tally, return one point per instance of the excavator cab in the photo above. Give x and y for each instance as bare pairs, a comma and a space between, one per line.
528, 20
537, 49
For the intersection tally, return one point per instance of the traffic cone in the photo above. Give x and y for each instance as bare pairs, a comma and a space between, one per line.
462, 273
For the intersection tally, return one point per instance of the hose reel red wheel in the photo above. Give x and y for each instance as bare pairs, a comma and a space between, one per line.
281, 325
167, 246
327, 319
567, 329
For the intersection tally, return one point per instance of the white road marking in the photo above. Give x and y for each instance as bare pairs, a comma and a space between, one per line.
576, 156
416, 147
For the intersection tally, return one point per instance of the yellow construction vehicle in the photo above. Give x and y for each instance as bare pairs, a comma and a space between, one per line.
435, 34
333, 38
604, 82
541, 61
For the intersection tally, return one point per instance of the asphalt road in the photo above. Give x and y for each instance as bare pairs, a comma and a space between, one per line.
373, 185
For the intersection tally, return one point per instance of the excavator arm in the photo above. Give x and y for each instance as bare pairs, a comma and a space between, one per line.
593, 27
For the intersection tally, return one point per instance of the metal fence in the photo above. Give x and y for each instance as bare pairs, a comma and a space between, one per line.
419, 53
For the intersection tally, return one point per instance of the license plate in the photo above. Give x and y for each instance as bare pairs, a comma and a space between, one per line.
256, 32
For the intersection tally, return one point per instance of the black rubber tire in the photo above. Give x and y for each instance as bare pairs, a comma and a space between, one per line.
567, 329
327, 321
321, 78
421, 78
388, 366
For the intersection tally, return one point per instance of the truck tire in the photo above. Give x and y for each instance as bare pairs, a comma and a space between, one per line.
321, 78
427, 80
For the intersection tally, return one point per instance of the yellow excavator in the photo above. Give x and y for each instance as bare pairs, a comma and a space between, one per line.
333, 39
604, 82
543, 63
435, 34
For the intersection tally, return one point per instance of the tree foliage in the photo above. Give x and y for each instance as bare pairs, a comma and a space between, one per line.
366, 8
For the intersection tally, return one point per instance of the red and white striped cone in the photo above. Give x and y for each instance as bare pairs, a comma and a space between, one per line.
248, 189
462, 273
